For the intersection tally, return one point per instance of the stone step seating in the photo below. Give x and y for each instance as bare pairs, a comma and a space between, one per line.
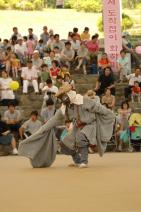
83, 83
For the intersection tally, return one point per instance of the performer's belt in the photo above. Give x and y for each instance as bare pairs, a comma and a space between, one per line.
81, 124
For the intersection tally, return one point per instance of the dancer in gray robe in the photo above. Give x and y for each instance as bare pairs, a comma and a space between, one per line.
92, 124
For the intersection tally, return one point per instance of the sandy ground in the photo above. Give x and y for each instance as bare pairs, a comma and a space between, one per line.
111, 184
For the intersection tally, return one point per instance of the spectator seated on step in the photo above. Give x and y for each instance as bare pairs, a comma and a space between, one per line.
132, 78
57, 42
68, 80
44, 76
103, 63
67, 54
85, 36
93, 47
49, 89
48, 112
30, 126
37, 61
108, 99
75, 43
6, 94
54, 70
6, 138
105, 80
30, 77
21, 50
136, 92
82, 57
123, 66
12, 117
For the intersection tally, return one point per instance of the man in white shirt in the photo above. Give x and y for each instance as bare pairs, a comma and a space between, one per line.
30, 77
49, 89
21, 50
135, 77
75, 43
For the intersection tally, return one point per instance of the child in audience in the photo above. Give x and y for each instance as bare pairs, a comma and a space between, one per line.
67, 79
123, 115
47, 59
54, 70
15, 64
44, 75
64, 70
30, 47
122, 119
136, 91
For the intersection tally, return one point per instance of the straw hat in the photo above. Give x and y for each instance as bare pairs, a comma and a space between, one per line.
64, 89
90, 93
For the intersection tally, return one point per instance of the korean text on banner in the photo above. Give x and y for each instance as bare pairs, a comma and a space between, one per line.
112, 30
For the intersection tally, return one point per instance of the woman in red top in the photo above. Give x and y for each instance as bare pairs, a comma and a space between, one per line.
54, 70
103, 63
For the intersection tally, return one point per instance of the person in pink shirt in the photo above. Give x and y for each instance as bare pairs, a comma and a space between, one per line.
93, 46
30, 47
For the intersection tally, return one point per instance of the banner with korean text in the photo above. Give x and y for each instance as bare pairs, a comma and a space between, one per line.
112, 30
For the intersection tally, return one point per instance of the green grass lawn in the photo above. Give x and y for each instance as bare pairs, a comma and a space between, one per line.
62, 21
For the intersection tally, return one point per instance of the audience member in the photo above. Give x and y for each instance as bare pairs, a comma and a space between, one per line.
105, 80
82, 57
132, 78
12, 117
67, 54
6, 93
123, 66
30, 77
30, 126
108, 99
85, 36
6, 138
103, 63
48, 112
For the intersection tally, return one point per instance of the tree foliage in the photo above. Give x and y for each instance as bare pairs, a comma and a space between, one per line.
127, 23
84, 5
79, 5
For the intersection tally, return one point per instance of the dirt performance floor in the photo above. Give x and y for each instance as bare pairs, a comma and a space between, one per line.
110, 184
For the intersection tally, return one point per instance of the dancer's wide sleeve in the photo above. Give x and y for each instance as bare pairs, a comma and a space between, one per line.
41, 147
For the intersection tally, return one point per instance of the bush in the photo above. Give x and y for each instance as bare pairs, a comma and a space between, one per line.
127, 23
38, 4
138, 6
2, 5
26, 5
14, 4
85, 5
68, 4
